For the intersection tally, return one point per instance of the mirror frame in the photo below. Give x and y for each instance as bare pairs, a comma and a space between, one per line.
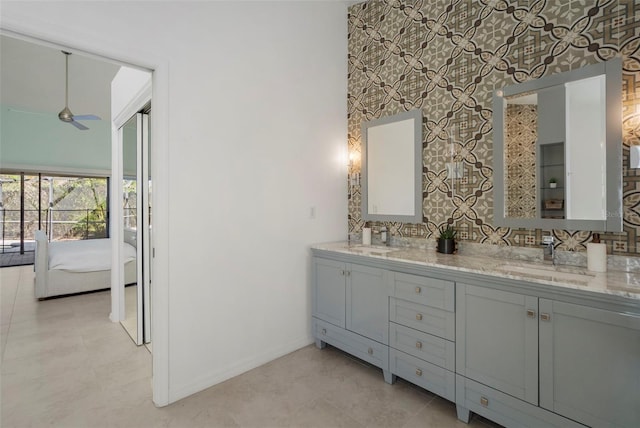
612, 70
416, 217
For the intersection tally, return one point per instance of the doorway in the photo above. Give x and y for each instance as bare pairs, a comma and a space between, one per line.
50, 34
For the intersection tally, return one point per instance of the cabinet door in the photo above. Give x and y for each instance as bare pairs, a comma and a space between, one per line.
497, 340
590, 364
329, 291
368, 303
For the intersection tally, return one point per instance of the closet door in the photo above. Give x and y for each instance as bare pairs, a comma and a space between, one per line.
130, 135
145, 228
136, 185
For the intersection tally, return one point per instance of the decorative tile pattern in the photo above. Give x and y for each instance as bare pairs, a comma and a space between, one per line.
446, 57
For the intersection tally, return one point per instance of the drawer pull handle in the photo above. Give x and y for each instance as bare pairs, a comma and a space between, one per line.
324, 331
419, 345
545, 317
418, 372
484, 401
419, 317
418, 290
370, 351
531, 313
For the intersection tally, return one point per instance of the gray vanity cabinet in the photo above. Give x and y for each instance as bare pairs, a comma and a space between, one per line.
367, 302
565, 360
590, 364
497, 340
518, 352
422, 332
351, 310
329, 299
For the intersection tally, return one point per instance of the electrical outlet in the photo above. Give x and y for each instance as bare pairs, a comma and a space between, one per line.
455, 170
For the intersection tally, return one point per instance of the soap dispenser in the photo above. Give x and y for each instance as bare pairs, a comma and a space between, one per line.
596, 255
366, 234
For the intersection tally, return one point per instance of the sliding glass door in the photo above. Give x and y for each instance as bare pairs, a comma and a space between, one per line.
66, 207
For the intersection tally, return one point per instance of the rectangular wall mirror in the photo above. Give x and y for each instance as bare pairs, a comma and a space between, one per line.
558, 151
392, 168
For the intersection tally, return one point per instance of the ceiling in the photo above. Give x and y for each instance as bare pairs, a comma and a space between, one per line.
32, 79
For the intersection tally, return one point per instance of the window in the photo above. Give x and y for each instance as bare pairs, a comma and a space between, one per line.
66, 207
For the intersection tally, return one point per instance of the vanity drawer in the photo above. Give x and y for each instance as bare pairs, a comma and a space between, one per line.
366, 349
505, 409
426, 319
425, 346
435, 293
424, 374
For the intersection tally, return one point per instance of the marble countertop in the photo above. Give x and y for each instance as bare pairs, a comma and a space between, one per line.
618, 283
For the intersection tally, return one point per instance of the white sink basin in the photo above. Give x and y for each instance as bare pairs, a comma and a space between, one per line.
371, 249
553, 273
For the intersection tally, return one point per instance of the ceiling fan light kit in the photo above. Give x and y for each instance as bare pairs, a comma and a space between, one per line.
65, 114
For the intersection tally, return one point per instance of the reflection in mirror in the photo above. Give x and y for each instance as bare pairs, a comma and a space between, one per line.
521, 122
392, 168
130, 215
560, 139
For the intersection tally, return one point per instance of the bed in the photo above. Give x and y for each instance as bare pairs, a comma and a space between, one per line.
69, 267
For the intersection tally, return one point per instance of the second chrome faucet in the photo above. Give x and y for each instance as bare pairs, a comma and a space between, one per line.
548, 249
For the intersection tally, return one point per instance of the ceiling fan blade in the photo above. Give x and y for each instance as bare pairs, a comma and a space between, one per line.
78, 125
86, 117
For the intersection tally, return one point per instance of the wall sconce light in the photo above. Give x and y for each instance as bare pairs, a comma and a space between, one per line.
354, 177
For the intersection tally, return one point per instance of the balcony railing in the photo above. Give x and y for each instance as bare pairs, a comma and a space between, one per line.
59, 225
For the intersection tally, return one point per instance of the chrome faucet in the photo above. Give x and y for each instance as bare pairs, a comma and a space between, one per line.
548, 250
384, 235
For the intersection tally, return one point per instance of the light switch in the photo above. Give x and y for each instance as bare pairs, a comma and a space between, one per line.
634, 157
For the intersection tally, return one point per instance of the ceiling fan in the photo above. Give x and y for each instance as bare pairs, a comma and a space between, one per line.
65, 115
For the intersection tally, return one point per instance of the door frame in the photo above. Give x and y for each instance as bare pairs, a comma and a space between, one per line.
35, 29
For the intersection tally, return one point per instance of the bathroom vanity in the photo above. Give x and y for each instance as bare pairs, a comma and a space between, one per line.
518, 343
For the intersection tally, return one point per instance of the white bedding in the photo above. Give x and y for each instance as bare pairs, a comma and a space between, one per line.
86, 255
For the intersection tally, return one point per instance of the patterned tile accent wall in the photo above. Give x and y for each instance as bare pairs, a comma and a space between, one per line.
446, 57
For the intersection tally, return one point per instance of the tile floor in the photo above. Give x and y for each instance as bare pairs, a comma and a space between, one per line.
65, 365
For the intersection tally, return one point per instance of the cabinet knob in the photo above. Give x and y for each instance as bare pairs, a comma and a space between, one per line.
531, 313
418, 372
484, 401
370, 351
419, 345
324, 331
418, 290
419, 317
545, 317
347, 273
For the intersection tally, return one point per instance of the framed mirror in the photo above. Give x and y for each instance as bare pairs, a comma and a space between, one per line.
558, 151
392, 168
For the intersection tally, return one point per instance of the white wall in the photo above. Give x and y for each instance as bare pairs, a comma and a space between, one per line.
127, 84
256, 126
